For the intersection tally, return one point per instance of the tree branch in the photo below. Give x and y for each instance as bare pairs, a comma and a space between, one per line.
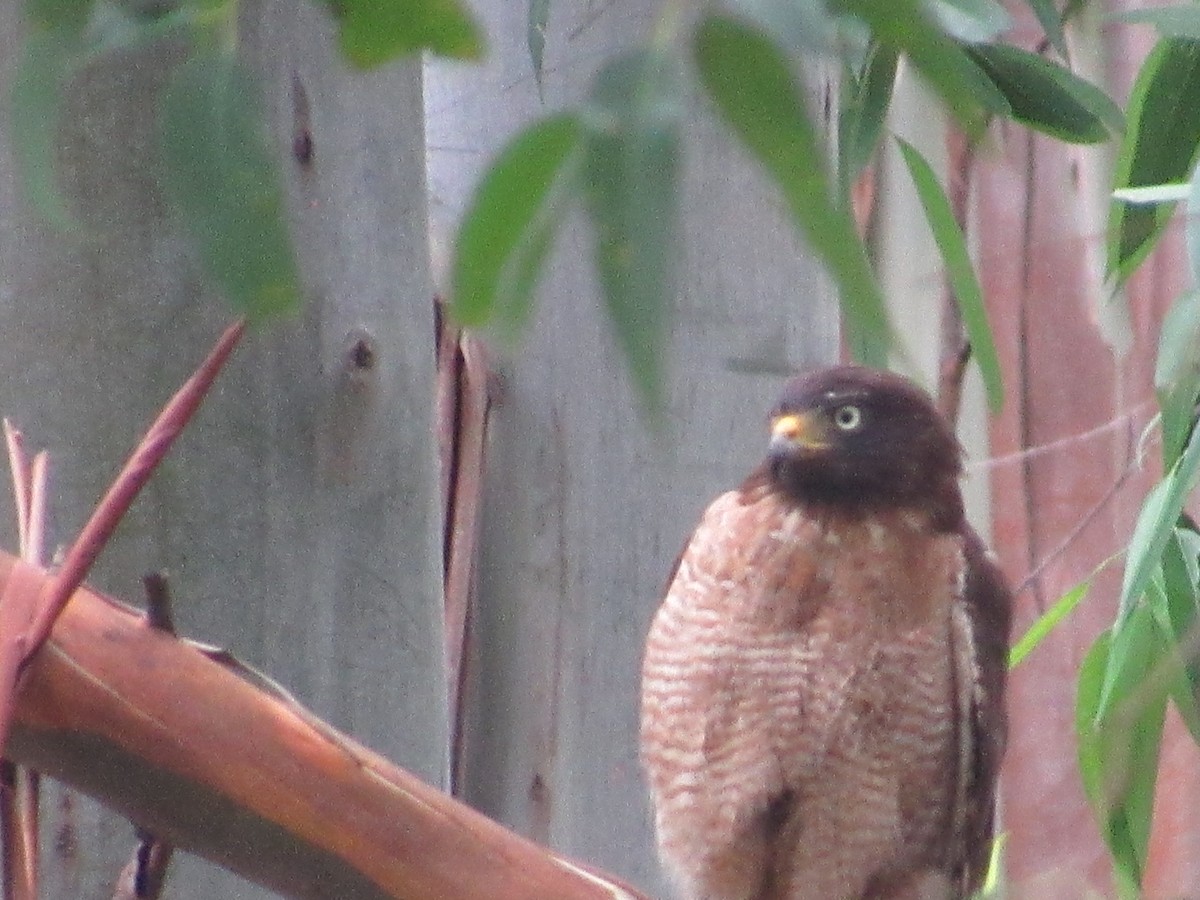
179, 739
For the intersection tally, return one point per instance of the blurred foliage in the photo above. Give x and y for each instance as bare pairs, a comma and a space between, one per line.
759, 93
959, 271
624, 172
219, 169
617, 154
631, 147
749, 57
220, 174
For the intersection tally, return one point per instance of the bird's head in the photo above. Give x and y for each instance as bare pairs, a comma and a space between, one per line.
860, 439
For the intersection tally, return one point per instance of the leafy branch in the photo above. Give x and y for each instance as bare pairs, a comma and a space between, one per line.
746, 55
1151, 654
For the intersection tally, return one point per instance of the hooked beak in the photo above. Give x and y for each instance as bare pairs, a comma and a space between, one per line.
795, 431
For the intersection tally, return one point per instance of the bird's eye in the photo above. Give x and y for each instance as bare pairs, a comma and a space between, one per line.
847, 418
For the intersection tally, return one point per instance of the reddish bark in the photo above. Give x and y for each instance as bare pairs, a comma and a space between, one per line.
182, 742
463, 407
1061, 510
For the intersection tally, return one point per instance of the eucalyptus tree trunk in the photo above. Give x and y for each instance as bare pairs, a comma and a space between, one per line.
1063, 463
298, 518
586, 505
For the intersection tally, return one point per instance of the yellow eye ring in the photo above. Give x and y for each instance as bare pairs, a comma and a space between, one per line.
847, 418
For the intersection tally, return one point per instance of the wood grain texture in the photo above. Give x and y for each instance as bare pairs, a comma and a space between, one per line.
298, 519
585, 506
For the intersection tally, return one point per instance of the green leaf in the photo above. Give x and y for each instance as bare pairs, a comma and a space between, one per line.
1048, 97
1072, 9
535, 36
949, 71
632, 120
1188, 540
1177, 373
1052, 24
1155, 598
372, 33
865, 99
953, 248
1154, 193
991, 880
515, 214
1087, 709
1159, 147
35, 111
1156, 522
1046, 623
64, 36
1171, 21
758, 93
1179, 586
221, 175
1118, 749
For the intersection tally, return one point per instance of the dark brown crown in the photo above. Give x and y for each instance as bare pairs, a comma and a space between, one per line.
859, 439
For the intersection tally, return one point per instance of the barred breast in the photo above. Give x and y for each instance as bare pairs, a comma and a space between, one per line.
801, 720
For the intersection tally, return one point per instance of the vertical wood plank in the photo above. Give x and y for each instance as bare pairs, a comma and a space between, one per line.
310, 475
585, 507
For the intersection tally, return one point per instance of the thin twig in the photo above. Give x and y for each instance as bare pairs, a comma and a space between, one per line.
1029, 453
158, 602
955, 349
1069, 540
951, 374
146, 872
29, 787
141, 465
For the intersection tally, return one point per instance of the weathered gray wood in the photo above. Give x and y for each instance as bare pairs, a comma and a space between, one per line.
585, 508
306, 477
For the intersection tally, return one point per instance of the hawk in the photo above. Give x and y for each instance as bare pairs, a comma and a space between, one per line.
822, 706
